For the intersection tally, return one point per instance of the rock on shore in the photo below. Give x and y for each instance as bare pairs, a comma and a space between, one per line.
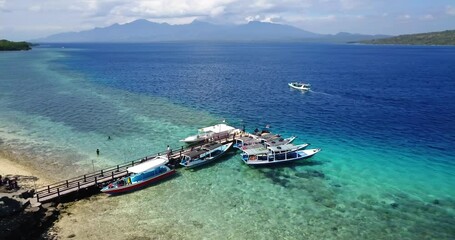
19, 219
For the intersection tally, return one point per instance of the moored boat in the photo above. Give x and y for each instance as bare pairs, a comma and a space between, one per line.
142, 175
300, 86
256, 141
206, 154
216, 131
270, 156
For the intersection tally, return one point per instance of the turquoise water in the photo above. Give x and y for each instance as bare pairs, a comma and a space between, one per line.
386, 170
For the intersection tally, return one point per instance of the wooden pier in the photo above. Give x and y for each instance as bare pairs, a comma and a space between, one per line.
88, 184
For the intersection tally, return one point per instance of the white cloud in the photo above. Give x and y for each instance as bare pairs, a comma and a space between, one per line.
450, 10
325, 16
404, 17
35, 8
427, 17
351, 4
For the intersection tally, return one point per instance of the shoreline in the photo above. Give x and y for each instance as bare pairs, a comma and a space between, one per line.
9, 167
21, 217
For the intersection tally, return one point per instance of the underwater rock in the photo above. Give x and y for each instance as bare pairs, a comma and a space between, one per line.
436, 202
310, 174
394, 205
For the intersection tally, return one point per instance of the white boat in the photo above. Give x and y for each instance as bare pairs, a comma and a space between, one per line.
206, 154
271, 156
142, 175
300, 86
218, 131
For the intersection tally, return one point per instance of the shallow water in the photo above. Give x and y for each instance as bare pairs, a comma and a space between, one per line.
383, 116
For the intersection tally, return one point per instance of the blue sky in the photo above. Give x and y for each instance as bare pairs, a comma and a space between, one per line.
28, 19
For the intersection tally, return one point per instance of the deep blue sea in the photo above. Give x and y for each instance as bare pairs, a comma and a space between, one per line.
383, 116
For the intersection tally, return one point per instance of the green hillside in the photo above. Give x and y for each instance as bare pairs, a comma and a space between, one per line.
6, 45
433, 38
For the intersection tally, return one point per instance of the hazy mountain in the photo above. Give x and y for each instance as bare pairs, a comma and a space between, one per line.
145, 31
432, 38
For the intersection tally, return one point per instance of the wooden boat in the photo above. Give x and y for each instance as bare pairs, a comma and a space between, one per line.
271, 155
142, 175
218, 131
300, 86
206, 154
253, 141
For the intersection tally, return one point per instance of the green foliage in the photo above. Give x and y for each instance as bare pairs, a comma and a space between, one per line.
433, 38
6, 45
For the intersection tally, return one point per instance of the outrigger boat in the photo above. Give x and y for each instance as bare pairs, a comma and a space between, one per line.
206, 154
271, 155
217, 131
142, 175
300, 86
254, 141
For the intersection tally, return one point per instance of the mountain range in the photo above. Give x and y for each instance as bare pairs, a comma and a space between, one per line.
145, 31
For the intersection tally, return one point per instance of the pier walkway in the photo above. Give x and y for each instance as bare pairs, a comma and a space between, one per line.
89, 183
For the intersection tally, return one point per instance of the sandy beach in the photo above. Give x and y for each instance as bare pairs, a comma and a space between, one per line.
10, 168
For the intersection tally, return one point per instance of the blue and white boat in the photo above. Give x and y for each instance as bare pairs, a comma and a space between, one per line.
204, 155
276, 154
142, 175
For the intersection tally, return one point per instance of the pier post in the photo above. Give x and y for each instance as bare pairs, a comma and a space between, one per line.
118, 168
112, 175
85, 178
78, 186
102, 173
37, 197
96, 180
66, 183
48, 189
132, 163
58, 192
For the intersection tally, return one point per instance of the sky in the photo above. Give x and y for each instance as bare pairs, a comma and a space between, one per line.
30, 19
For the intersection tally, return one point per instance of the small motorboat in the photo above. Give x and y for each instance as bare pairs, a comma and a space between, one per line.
206, 154
300, 86
142, 175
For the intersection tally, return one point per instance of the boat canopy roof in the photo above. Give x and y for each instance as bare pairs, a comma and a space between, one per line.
217, 128
153, 163
256, 151
195, 153
284, 147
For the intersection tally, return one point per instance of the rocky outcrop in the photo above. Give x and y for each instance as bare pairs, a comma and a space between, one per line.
23, 218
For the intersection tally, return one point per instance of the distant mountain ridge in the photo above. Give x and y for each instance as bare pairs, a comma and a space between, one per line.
432, 38
145, 31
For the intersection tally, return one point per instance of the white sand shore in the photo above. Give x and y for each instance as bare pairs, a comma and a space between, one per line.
9, 167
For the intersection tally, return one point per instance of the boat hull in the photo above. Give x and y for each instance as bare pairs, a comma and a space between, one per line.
303, 88
301, 154
138, 185
198, 162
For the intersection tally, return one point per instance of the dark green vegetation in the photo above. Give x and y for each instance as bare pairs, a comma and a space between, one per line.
433, 38
6, 45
